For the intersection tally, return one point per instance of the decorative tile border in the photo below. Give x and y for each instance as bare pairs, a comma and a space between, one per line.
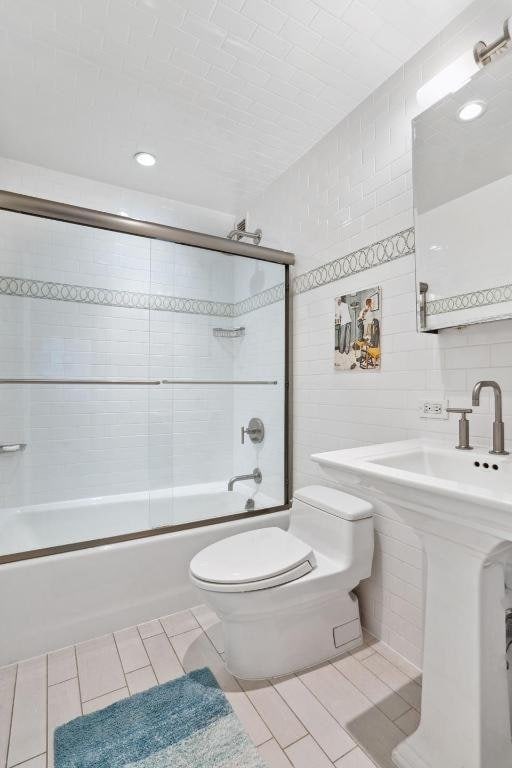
485, 298
381, 252
38, 289
259, 300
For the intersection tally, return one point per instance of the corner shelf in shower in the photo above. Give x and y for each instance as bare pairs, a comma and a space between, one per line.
229, 333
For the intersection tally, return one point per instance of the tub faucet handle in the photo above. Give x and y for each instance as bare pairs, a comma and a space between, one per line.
255, 430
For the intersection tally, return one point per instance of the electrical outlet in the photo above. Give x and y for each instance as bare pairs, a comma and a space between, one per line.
433, 409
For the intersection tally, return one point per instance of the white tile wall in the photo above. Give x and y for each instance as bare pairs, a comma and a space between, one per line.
352, 188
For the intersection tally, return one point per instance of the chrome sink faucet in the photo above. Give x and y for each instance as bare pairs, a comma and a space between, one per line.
255, 475
498, 427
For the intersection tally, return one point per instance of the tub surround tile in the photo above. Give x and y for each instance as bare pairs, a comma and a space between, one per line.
7, 683
99, 667
28, 727
62, 665
324, 717
131, 649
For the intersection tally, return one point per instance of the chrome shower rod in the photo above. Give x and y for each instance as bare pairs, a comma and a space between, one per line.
134, 382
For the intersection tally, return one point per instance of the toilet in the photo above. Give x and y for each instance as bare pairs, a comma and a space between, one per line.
285, 597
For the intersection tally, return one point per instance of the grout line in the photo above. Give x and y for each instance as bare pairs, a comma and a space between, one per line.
304, 724
47, 709
52, 685
121, 663
115, 690
78, 680
23, 762
12, 715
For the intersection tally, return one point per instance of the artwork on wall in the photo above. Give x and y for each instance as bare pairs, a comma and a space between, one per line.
357, 331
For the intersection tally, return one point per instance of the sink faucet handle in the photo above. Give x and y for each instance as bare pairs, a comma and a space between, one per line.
463, 428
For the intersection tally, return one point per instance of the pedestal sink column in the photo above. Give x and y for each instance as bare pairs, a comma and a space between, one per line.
465, 721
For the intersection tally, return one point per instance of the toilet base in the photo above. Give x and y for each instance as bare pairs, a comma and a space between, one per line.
293, 639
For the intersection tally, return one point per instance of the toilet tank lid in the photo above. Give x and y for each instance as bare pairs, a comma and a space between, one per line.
335, 502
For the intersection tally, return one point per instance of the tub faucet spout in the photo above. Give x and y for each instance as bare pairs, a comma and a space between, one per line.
255, 475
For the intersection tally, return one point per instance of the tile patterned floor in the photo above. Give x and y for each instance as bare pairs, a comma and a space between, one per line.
349, 714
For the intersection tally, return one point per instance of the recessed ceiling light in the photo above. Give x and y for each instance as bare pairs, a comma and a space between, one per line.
471, 111
145, 158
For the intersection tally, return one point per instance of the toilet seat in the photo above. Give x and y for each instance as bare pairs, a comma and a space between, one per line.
250, 561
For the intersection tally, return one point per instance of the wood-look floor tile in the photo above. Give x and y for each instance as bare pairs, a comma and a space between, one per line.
61, 665
195, 650
372, 686
285, 726
367, 725
28, 729
99, 667
395, 679
104, 701
397, 660
355, 759
131, 649
177, 623
35, 762
409, 722
273, 755
211, 624
7, 683
324, 728
306, 753
163, 658
141, 680
63, 705
150, 628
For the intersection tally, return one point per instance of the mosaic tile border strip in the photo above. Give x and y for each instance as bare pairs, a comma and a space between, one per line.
380, 252
259, 300
81, 294
485, 298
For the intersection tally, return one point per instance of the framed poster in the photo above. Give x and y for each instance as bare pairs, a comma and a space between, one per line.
357, 331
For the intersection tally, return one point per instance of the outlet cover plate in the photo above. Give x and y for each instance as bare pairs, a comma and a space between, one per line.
433, 409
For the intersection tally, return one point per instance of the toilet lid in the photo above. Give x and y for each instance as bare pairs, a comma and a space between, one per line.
251, 556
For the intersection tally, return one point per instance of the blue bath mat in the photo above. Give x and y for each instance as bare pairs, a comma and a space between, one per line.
187, 723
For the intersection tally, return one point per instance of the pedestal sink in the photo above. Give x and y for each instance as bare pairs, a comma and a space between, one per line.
460, 504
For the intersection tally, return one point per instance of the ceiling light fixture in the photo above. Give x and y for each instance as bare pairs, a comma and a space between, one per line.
145, 158
459, 72
471, 111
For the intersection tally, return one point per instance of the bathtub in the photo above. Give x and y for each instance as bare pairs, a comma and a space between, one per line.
57, 600
65, 522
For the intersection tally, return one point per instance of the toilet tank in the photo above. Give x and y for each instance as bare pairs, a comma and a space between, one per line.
336, 524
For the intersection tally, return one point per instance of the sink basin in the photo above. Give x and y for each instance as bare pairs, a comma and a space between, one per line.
460, 505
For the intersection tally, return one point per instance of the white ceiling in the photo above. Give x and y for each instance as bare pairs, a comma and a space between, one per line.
226, 93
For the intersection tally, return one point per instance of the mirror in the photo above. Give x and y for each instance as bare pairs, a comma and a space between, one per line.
462, 176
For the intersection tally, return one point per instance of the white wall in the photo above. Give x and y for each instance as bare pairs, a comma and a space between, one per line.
351, 189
